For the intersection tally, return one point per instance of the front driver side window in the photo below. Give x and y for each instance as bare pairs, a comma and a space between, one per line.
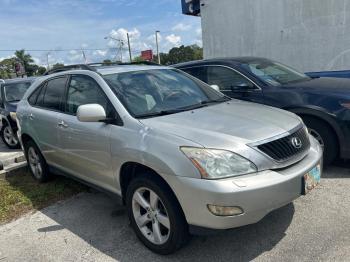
84, 90
225, 78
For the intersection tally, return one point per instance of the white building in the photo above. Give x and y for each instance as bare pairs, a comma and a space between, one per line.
311, 35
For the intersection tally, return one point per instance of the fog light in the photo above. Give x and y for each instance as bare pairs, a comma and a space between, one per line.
225, 211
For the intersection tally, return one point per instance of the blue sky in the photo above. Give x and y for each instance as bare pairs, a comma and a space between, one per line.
75, 24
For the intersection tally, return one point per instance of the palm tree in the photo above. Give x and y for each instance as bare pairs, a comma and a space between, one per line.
24, 58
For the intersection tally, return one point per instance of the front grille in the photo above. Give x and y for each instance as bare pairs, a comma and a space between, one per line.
283, 149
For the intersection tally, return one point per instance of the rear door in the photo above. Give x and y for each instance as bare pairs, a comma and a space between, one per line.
46, 105
86, 146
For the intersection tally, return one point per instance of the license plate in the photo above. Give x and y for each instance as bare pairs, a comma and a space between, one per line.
312, 179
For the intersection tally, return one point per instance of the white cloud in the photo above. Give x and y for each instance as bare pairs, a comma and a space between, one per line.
173, 39
181, 27
100, 53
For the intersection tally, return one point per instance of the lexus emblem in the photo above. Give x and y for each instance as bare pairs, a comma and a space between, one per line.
296, 142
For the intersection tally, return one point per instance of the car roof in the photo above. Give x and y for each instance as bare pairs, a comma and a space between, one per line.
225, 60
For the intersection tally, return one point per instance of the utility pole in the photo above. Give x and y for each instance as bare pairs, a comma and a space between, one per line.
157, 47
47, 60
84, 56
127, 35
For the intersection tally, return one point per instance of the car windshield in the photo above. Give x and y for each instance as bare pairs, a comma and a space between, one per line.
156, 92
273, 73
15, 91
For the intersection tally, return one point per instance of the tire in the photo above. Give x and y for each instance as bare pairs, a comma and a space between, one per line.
8, 137
325, 135
171, 239
36, 162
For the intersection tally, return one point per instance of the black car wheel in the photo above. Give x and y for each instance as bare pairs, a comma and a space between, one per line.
156, 216
325, 136
9, 137
37, 164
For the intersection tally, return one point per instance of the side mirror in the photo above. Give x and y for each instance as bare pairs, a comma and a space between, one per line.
215, 87
91, 113
243, 87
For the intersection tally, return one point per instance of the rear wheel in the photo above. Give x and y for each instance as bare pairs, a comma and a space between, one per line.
324, 134
155, 216
37, 164
9, 137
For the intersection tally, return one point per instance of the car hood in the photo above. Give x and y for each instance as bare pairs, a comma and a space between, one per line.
325, 84
230, 122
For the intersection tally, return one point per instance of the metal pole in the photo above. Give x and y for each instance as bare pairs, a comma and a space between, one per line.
121, 50
157, 47
127, 34
47, 60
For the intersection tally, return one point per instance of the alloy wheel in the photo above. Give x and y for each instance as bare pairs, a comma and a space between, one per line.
317, 136
10, 137
151, 216
35, 163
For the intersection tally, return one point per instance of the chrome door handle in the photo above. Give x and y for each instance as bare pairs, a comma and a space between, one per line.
62, 124
31, 116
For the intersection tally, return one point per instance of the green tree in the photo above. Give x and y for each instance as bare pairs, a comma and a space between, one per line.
181, 54
41, 70
107, 61
7, 68
26, 60
57, 65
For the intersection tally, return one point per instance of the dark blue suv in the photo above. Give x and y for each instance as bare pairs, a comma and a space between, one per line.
322, 103
11, 92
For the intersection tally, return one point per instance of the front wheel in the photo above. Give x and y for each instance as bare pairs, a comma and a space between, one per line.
324, 134
9, 137
155, 216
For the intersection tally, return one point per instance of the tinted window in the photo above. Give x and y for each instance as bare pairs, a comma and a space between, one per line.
54, 93
33, 97
84, 90
198, 72
224, 78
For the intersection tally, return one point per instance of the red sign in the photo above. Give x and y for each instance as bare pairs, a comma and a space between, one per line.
147, 55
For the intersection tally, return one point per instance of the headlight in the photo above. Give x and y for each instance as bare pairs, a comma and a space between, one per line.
215, 163
13, 115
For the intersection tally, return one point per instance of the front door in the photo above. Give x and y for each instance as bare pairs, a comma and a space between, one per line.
86, 145
233, 84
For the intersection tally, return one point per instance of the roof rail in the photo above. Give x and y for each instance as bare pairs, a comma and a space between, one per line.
121, 63
69, 67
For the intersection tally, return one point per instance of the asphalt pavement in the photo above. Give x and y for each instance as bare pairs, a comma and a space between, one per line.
91, 227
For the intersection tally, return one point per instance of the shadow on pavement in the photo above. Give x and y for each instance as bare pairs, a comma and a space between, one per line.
340, 169
97, 220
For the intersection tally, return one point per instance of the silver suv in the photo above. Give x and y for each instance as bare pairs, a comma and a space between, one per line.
182, 156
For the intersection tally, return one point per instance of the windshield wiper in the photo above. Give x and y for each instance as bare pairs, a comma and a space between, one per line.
14, 100
186, 108
159, 113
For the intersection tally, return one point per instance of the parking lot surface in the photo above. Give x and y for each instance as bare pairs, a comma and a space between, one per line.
91, 227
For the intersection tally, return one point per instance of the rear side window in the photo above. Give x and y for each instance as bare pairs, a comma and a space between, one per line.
50, 94
54, 93
34, 96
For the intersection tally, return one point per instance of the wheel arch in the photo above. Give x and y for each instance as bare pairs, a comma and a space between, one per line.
131, 170
323, 115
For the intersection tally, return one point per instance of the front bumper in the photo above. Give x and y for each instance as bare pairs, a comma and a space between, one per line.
256, 194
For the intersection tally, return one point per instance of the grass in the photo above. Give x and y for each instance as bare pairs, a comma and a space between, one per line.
20, 193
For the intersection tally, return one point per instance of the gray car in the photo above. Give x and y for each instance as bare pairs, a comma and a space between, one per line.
183, 157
